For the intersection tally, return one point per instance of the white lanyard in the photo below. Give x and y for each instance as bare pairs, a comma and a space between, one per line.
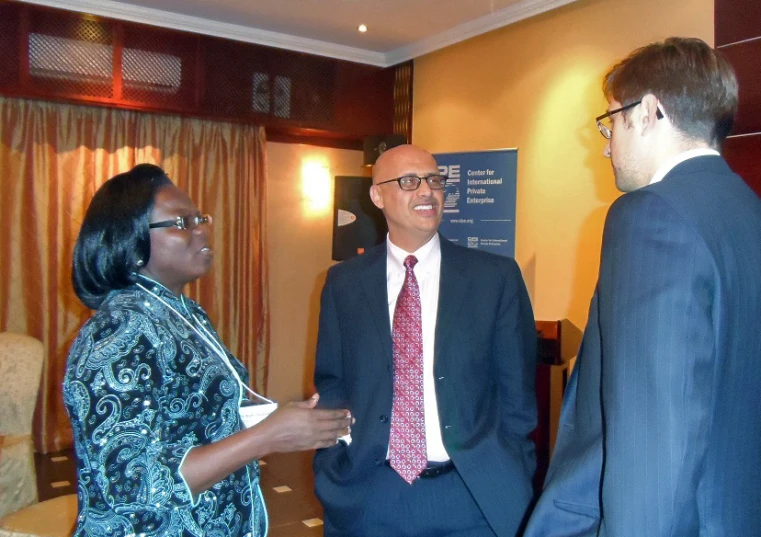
207, 337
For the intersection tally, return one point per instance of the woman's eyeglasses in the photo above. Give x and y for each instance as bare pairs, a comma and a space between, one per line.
184, 222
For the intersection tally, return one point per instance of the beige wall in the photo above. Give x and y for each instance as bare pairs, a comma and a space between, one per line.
535, 85
300, 241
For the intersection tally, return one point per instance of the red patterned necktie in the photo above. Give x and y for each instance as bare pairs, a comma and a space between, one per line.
407, 448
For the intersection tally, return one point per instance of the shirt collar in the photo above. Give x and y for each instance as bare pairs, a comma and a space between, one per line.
427, 256
672, 162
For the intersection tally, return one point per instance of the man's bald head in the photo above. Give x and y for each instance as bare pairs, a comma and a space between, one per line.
413, 216
401, 160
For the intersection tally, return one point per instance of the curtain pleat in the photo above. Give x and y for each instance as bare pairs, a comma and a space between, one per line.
53, 157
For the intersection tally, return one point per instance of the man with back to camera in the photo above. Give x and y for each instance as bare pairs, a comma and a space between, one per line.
432, 347
659, 432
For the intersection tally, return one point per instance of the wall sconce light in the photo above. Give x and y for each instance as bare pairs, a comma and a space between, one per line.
315, 186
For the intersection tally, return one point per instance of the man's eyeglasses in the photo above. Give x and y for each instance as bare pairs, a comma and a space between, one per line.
605, 130
184, 222
412, 182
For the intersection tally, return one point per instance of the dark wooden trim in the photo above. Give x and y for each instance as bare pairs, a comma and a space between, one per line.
24, 77
313, 137
359, 97
118, 54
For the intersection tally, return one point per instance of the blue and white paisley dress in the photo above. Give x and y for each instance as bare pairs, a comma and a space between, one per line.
142, 389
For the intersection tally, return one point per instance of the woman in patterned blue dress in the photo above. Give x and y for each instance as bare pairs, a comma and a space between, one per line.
152, 393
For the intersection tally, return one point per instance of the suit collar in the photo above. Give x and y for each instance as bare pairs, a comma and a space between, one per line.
679, 158
714, 164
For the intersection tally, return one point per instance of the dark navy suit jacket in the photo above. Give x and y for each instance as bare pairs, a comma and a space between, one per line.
484, 365
660, 433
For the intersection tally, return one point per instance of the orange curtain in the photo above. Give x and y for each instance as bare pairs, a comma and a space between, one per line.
52, 159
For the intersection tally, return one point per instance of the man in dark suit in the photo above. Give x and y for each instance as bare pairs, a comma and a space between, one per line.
432, 347
660, 434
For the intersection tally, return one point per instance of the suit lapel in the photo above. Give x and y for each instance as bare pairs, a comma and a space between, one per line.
373, 280
452, 292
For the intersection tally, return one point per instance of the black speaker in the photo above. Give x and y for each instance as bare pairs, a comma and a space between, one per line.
375, 145
357, 223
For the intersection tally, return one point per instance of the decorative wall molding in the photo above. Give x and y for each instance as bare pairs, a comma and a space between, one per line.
498, 19
197, 25
165, 19
741, 42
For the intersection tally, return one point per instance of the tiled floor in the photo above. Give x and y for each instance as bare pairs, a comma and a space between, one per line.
56, 474
289, 510
293, 513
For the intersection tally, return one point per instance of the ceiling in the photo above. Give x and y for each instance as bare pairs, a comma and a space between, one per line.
398, 30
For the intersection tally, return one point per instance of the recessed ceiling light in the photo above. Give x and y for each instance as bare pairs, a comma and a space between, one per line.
362, 28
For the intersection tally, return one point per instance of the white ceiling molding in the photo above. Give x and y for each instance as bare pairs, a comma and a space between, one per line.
155, 17
176, 21
487, 23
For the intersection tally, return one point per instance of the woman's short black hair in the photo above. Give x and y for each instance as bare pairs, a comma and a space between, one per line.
114, 240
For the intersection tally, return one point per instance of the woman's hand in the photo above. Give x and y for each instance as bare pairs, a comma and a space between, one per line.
293, 427
301, 426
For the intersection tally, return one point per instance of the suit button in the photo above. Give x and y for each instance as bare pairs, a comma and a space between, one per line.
384, 418
378, 462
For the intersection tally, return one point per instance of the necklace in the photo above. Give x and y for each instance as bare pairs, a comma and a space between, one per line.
206, 336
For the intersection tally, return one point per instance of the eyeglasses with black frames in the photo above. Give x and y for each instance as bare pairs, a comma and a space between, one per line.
413, 182
606, 131
184, 222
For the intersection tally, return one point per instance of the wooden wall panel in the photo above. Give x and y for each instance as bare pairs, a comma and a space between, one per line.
736, 20
737, 32
365, 97
54, 54
10, 36
743, 153
746, 59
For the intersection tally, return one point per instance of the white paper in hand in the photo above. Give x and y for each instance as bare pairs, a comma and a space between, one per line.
253, 414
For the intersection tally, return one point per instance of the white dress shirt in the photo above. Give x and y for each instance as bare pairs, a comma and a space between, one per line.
428, 272
671, 163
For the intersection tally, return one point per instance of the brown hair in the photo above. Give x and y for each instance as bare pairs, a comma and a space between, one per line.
695, 84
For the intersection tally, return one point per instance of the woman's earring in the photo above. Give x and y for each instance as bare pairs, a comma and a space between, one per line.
140, 263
